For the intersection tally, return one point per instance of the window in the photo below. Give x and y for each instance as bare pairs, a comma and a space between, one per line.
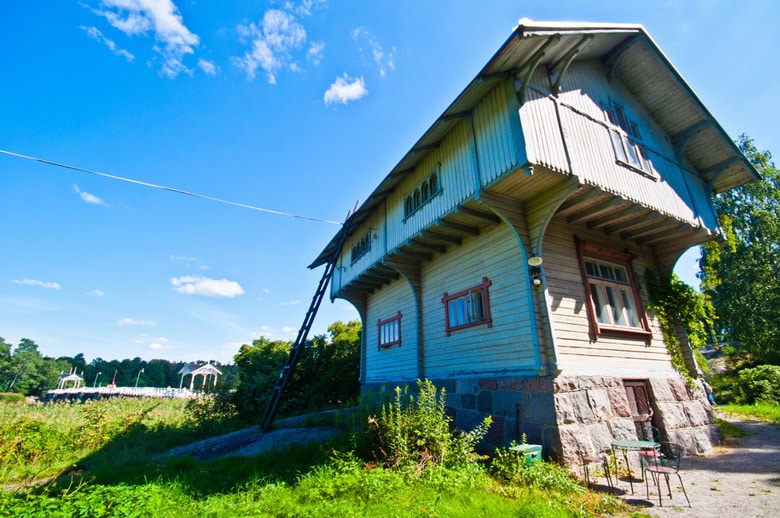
615, 305
422, 193
361, 248
626, 141
467, 308
389, 331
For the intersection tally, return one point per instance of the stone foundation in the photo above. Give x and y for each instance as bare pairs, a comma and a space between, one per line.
569, 414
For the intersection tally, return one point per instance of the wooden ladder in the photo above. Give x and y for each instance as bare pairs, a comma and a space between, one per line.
303, 332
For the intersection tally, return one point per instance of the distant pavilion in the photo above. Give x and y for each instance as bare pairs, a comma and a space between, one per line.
71, 377
195, 369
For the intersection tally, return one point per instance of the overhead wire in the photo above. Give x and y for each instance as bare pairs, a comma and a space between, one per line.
165, 188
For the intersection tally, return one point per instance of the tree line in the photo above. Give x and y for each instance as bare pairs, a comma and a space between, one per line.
327, 374
24, 370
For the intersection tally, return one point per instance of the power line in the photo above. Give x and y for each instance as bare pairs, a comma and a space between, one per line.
164, 188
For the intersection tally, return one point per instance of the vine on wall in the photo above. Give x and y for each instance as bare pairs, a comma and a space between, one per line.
677, 302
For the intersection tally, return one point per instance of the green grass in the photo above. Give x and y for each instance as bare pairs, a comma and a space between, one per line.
763, 411
103, 459
729, 430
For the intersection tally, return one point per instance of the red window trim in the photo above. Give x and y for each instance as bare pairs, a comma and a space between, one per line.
488, 320
381, 323
623, 259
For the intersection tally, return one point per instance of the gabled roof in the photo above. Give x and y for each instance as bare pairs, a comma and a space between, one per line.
628, 53
197, 369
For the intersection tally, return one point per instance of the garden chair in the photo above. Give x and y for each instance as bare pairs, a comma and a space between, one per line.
666, 464
587, 460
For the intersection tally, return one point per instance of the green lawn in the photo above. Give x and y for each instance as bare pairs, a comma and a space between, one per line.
103, 459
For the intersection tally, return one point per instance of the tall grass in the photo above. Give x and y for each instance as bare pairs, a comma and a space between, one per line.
105, 460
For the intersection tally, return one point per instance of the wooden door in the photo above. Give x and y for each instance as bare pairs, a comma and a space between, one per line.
641, 411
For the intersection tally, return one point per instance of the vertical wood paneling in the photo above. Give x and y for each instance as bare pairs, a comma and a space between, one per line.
584, 95
570, 316
496, 140
398, 362
509, 344
541, 131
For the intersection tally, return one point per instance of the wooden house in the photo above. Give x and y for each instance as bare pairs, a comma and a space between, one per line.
503, 257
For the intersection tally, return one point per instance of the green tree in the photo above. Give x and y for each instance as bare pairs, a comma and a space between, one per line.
259, 365
328, 374
32, 374
5, 364
740, 273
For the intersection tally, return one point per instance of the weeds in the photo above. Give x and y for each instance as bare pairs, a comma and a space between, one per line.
415, 432
115, 446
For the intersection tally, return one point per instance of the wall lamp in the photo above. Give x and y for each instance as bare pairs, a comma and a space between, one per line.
535, 269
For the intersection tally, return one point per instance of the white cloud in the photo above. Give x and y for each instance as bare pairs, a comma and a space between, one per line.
345, 89
160, 17
382, 59
304, 8
273, 41
267, 291
95, 34
34, 282
208, 67
291, 303
198, 285
288, 329
315, 51
87, 197
134, 322
97, 293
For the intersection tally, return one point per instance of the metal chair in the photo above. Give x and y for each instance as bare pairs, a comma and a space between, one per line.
666, 464
587, 460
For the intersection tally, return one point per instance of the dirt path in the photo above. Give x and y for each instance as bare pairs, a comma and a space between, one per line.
738, 480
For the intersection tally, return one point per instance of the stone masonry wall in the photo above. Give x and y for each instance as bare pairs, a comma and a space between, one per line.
569, 414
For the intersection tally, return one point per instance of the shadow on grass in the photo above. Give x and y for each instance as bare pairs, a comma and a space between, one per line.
137, 457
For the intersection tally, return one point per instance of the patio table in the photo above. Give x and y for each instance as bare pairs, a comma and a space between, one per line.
626, 445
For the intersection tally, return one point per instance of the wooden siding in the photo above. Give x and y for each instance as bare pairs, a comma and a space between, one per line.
578, 115
569, 308
507, 346
347, 270
398, 362
542, 134
496, 136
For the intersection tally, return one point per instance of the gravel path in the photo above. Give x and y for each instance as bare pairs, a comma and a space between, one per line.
738, 480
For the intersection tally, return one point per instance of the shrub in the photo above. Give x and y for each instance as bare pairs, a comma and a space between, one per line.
761, 383
510, 465
415, 432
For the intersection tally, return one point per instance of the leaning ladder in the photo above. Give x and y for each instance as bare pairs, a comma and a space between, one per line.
300, 341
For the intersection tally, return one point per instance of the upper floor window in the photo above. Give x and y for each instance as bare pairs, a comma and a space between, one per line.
422, 193
611, 286
467, 308
389, 331
361, 248
626, 140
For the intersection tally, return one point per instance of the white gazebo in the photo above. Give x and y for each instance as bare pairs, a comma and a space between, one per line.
70, 377
195, 369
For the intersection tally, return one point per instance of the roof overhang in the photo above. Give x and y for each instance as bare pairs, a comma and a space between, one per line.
629, 54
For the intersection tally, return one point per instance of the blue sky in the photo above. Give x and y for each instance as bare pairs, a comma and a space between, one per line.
295, 107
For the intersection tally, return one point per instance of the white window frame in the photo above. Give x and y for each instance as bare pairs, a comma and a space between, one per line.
389, 331
626, 141
611, 288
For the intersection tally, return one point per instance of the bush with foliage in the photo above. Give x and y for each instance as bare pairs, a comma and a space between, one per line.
510, 465
416, 431
761, 383
327, 374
